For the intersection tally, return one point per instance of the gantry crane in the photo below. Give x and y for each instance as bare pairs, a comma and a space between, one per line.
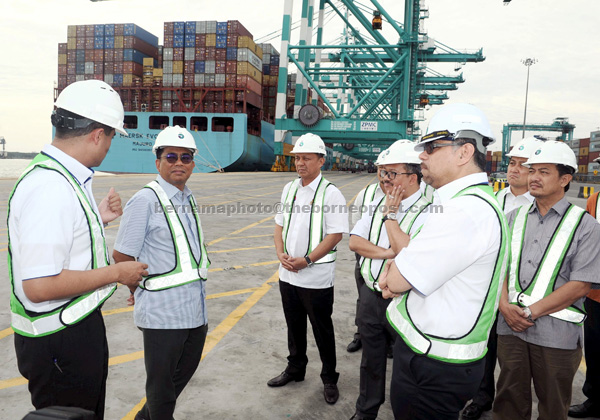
362, 91
3, 153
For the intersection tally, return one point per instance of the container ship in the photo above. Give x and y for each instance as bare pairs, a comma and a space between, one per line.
208, 76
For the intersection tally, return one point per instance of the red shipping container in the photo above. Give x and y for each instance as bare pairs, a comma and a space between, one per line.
119, 29
274, 70
89, 55
142, 46
583, 160
71, 69
253, 99
232, 40
219, 96
210, 96
89, 43
118, 55
235, 27
231, 67
230, 80
168, 41
88, 77
99, 77
592, 156
118, 67
211, 53
220, 67
99, 56
62, 82
168, 28
188, 67
99, 68
70, 79
62, 48
198, 40
221, 54
80, 43
71, 56
89, 31
199, 53
178, 54
62, 70
584, 142
131, 67
80, 31
109, 55
188, 80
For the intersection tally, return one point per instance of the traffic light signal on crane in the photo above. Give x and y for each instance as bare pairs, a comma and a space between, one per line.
377, 21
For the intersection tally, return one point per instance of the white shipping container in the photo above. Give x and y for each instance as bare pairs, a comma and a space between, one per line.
167, 67
201, 27
209, 80
80, 77
211, 26
177, 80
209, 66
166, 105
167, 54
167, 79
109, 78
266, 58
189, 54
219, 80
89, 67
167, 94
198, 80
244, 54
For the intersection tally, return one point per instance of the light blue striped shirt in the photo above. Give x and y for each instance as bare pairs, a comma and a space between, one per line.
144, 234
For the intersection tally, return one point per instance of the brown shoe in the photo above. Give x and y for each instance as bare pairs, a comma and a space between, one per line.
284, 379
331, 393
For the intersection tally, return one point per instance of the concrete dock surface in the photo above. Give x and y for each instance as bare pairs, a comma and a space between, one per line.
247, 339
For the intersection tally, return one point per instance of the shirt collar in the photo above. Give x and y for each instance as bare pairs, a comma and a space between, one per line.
527, 195
449, 190
559, 207
314, 184
79, 171
171, 190
409, 201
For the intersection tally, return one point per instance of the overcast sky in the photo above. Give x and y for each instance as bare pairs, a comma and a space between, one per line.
562, 35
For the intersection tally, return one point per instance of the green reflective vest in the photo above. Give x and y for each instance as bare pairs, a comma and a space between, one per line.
501, 196
377, 224
32, 324
317, 218
367, 197
473, 345
547, 272
186, 269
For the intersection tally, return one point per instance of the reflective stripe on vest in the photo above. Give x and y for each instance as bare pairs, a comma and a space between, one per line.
32, 324
547, 272
368, 197
598, 207
473, 345
187, 269
377, 224
501, 196
316, 231
428, 192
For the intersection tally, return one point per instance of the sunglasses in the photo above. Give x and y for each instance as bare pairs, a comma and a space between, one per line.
430, 147
185, 158
392, 175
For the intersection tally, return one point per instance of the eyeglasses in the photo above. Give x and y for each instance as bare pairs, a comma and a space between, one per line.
431, 146
392, 175
185, 158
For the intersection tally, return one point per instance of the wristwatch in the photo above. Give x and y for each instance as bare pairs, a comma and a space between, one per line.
308, 261
390, 216
528, 314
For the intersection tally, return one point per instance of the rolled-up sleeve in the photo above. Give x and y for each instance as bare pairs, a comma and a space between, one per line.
585, 264
336, 212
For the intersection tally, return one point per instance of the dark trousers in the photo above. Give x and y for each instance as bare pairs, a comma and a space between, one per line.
171, 358
552, 372
591, 343
427, 389
376, 333
316, 304
487, 389
67, 368
360, 283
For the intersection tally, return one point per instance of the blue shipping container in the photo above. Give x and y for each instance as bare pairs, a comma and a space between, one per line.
130, 54
266, 69
221, 28
231, 54
130, 29
275, 60
117, 80
199, 67
80, 68
109, 29
178, 41
98, 42
221, 41
178, 28
98, 30
190, 27
190, 40
109, 42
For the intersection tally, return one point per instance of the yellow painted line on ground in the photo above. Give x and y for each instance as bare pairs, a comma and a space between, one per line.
240, 249
3, 249
240, 237
356, 195
223, 328
243, 198
251, 225
6, 332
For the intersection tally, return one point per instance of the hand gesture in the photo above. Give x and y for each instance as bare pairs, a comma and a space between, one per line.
110, 207
393, 199
382, 281
131, 273
287, 262
515, 317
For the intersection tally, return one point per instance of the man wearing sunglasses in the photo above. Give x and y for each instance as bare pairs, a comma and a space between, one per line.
363, 199
161, 225
307, 231
450, 273
376, 237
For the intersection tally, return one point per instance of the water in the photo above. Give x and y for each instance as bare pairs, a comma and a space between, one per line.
12, 168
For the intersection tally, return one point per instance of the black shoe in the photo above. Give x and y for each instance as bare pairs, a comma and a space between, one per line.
354, 345
284, 379
331, 393
474, 411
587, 409
357, 416
138, 416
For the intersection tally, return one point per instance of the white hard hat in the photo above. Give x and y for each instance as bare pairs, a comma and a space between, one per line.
176, 137
402, 151
378, 160
525, 147
552, 151
309, 143
95, 100
459, 121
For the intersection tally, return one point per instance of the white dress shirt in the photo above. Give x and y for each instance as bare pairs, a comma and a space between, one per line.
319, 276
359, 202
512, 201
451, 262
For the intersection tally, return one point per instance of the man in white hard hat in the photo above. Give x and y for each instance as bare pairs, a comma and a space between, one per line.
555, 259
58, 261
377, 237
515, 195
364, 197
161, 225
451, 273
591, 339
312, 223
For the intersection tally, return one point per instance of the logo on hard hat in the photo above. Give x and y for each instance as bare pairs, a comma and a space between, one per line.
181, 136
538, 151
521, 148
301, 143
